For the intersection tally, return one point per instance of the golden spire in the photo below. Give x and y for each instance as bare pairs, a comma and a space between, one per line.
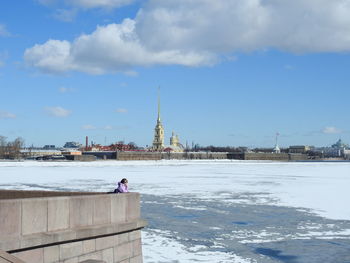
158, 104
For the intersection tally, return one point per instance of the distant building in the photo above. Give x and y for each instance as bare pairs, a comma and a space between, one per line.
339, 149
277, 149
49, 147
72, 145
347, 154
299, 149
340, 145
158, 140
328, 152
175, 145
120, 146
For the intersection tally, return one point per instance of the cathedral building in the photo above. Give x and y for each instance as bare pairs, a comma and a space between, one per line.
158, 140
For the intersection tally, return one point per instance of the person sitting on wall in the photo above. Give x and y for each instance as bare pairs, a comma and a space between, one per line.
122, 186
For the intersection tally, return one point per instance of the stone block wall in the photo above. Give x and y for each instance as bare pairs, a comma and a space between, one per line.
72, 229
266, 156
126, 156
194, 155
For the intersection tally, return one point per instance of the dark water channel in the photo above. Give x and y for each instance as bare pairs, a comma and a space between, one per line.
262, 233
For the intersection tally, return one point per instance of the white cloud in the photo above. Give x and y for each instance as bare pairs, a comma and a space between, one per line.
88, 4
88, 127
109, 4
108, 127
3, 31
58, 111
67, 10
197, 33
53, 56
7, 115
111, 48
121, 110
47, 2
297, 26
65, 15
331, 130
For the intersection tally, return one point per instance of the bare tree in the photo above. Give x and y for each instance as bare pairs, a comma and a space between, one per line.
11, 150
3, 145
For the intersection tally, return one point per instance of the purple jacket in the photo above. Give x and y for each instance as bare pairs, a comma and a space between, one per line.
122, 188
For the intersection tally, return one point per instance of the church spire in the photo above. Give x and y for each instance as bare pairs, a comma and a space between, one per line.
158, 104
158, 141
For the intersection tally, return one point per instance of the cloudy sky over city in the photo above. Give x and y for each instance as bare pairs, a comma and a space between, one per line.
230, 72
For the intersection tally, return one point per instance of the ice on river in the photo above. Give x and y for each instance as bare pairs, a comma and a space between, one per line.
323, 187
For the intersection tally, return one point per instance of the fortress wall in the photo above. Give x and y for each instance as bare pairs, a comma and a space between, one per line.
274, 156
169, 155
81, 158
104, 227
266, 156
194, 155
125, 156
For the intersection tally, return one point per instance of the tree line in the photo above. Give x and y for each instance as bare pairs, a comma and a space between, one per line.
10, 149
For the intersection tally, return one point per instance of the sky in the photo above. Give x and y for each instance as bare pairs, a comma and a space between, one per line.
230, 72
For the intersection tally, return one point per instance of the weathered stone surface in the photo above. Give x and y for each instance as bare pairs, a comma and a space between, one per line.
81, 211
63, 235
132, 209
9, 243
137, 259
51, 254
79, 222
118, 208
123, 252
71, 250
89, 246
105, 242
71, 260
127, 226
31, 256
135, 235
92, 256
58, 213
93, 261
10, 218
136, 247
34, 216
8, 258
123, 238
102, 211
37, 240
108, 255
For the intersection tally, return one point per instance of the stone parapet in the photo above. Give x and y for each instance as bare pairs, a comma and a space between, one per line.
72, 228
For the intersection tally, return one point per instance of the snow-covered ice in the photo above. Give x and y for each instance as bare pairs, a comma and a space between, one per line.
323, 187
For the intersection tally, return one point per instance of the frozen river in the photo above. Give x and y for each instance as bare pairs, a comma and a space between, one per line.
218, 211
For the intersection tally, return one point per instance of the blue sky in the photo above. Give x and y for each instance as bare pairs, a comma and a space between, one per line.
231, 72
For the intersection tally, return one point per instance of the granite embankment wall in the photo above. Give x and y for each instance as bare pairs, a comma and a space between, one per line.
209, 156
57, 227
267, 156
168, 155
